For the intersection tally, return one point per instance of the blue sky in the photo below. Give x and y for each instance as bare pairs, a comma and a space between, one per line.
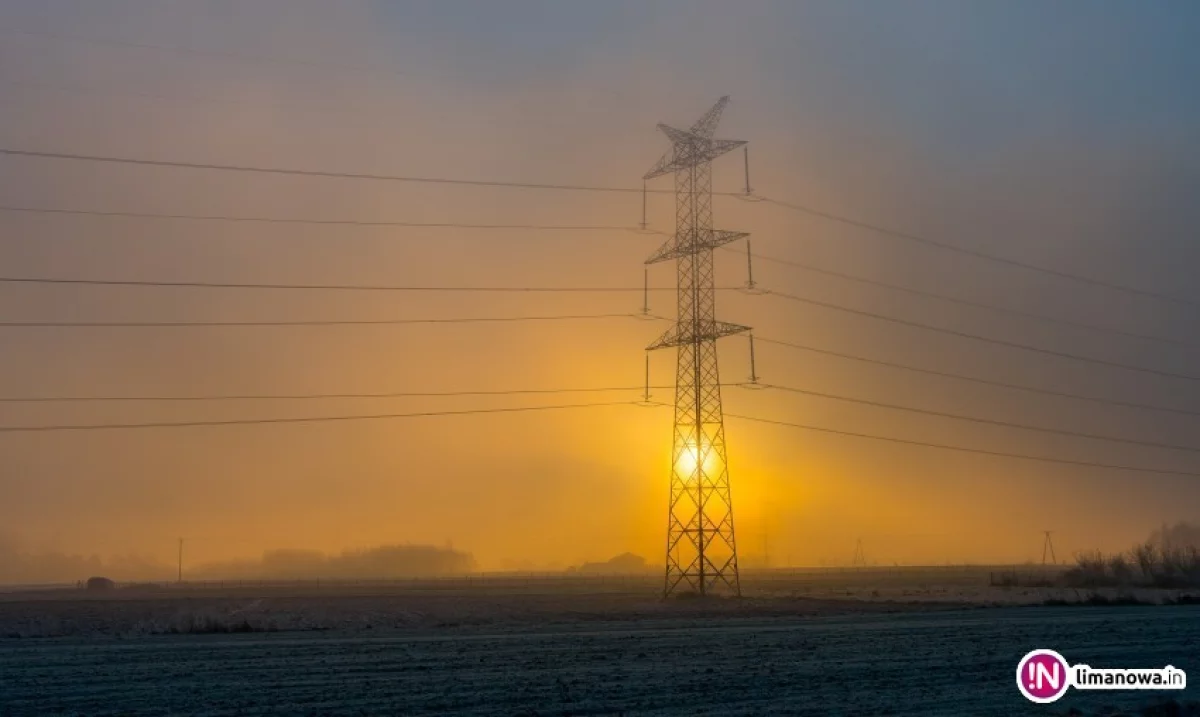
950, 73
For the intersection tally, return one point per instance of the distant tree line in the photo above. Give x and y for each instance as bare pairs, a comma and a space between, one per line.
19, 567
385, 561
1170, 558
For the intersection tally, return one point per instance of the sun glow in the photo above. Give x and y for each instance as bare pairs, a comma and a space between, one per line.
688, 458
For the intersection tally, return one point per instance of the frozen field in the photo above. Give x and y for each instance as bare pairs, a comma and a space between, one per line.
475, 652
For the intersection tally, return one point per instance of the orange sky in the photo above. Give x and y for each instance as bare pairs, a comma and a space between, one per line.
553, 488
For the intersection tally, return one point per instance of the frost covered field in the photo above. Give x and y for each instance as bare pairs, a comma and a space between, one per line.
509, 652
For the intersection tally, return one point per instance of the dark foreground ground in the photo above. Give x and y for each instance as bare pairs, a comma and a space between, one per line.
480, 654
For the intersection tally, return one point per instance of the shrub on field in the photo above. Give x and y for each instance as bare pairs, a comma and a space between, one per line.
205, 622
209, 625
1146, 564
1182, 600
1145, 555
1180, 568
1091, 570
1095, 598
1005, 579
1120, 569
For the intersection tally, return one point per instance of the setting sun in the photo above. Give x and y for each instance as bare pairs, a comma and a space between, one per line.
689, 455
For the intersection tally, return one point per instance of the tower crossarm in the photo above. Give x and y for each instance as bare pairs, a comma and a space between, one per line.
695, 332
707, 124
677, 246
689, 150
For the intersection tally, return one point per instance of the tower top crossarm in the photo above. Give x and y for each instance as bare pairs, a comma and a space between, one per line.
707, 124
694, 145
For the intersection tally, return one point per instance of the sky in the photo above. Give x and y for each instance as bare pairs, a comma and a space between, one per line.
1061, 135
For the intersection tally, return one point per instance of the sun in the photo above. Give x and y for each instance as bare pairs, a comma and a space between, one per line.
688, 457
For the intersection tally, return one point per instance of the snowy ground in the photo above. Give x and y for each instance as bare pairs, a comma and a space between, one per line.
512, 653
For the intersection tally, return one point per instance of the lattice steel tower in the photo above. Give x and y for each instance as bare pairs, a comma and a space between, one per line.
701, 548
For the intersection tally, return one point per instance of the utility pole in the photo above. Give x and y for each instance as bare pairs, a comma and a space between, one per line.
701, 546
1048, 546
179, 576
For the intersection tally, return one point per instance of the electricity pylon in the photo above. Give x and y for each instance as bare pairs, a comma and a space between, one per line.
701, 547
1048, 546
860, 558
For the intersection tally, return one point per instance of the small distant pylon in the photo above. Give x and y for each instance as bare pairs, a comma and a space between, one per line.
860, 558
1048, 548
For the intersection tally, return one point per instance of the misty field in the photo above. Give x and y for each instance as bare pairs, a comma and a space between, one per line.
516, 650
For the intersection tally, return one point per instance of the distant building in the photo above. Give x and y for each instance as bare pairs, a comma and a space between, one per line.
100, 584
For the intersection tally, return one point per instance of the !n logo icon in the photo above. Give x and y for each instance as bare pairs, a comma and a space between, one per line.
1042, 676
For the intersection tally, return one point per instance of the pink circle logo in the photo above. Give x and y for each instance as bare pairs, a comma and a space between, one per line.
1043, 676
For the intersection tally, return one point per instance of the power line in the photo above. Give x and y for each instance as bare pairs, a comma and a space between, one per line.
318, 396
985, 339
908, 236
764, 257
585, 188
520, 409
539, 227
300, 419
982, 381
339, 287
323, 222
972, 303
964, 449
334, 175
571, 187
344, 287
987, 421
305, 322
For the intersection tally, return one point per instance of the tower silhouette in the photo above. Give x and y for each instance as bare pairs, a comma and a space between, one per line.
701, 546
1048, 546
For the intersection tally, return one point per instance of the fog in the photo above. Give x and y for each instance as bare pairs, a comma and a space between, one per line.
1063, 136
22, 567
